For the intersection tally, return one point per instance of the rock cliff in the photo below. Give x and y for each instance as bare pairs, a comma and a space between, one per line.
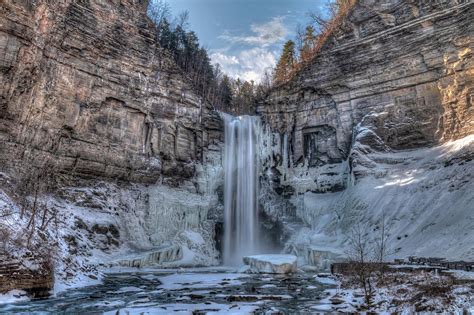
86, 82
398, 76
410, 60
137, 153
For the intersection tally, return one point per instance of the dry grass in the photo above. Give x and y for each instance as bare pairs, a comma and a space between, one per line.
423, 291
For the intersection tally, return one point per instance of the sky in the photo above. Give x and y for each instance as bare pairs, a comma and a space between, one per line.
246, 36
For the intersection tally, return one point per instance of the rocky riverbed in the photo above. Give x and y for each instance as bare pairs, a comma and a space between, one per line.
197, 291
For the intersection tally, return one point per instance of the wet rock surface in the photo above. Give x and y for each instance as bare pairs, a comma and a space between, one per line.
200, 291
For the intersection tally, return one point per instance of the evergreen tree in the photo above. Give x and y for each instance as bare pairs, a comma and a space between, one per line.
286, 63
226, 94
309, 41
208, 81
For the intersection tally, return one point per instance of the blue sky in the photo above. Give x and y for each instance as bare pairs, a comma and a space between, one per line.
246, 36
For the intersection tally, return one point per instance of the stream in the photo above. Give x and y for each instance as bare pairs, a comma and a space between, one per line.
185, 291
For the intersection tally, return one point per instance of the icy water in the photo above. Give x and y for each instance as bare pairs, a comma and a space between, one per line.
186, 292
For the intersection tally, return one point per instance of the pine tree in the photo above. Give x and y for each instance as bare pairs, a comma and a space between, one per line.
286, 63
308, 43
226, 94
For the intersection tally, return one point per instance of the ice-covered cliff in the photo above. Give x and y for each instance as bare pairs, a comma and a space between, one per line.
87, 95
381, 121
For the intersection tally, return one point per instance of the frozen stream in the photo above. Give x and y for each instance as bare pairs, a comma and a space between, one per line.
184, 292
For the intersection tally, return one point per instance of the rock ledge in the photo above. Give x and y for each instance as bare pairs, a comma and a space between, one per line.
281, 264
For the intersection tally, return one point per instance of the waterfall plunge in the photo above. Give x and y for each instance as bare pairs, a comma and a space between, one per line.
241, 167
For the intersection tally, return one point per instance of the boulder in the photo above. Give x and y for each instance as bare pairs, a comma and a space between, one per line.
155, 257
281, 264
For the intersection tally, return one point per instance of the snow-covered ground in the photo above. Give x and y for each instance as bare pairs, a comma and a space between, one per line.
14, 296
99, 223
426, 197
401, 293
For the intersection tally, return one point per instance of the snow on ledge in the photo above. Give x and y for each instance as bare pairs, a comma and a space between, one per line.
281, 264
14, 296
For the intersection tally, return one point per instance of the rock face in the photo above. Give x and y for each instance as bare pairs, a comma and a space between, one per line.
281, 264
36, 279
409, 61
86, 82
378, 127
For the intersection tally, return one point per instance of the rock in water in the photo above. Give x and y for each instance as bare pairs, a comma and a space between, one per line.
281, 264
152, 258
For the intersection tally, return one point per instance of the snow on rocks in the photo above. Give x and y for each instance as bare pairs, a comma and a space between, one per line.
202, 308
181, 281
14, 296
326, 278
281, 264
151, 258
424, 195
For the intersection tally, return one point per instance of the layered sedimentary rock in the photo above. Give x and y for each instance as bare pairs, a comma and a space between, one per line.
137, 152
378, 127
86, 82
31, 273
410, 61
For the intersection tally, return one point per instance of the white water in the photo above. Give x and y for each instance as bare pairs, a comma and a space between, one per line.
241, 167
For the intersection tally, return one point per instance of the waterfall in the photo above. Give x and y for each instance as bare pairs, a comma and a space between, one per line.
241, 167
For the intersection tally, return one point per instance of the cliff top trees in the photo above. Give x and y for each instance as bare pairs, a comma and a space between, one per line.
286, 63
311, 40
225, 94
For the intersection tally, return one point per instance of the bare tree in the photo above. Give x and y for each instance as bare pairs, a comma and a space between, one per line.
381, 248
360, 254
38, 176
159, 11
300, 35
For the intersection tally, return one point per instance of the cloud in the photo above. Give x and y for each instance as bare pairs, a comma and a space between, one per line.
224, 60
249, 64
258, 54
263, 34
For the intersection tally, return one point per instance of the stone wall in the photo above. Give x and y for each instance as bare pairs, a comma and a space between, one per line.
86, 82
409, 61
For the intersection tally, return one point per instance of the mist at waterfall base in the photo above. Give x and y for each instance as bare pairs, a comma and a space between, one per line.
241, 188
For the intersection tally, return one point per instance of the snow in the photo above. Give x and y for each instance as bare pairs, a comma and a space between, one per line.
272, 263
179, 281
208, 308
401, 293
129, 289
322, 308
461, 274
326, 279
14, 296
140, 224
427, 202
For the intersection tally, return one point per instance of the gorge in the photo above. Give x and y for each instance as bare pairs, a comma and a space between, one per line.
110, 160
